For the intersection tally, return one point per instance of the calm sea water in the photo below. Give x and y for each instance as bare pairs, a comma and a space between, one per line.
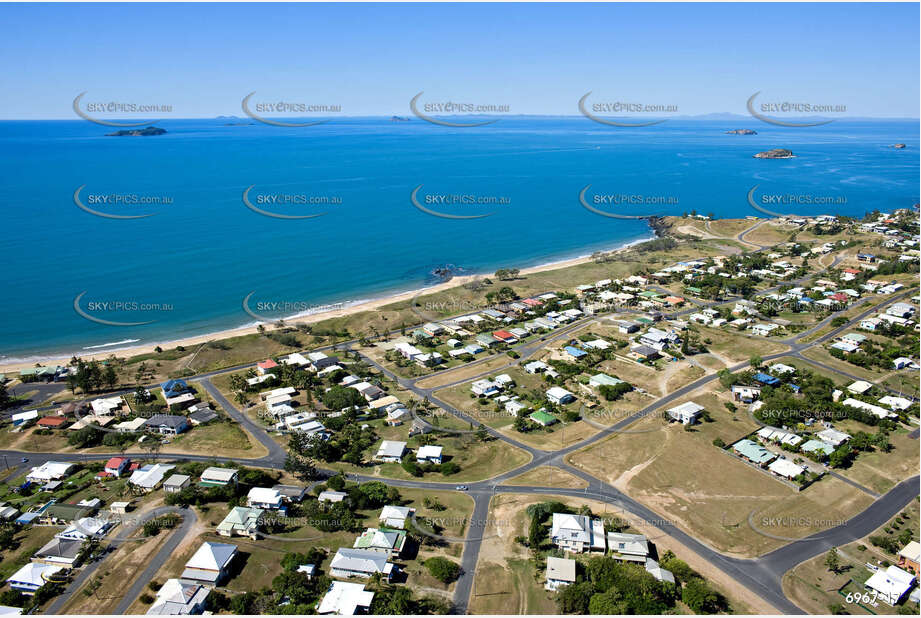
201, 254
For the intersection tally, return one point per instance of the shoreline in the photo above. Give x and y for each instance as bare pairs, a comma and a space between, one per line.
341, 309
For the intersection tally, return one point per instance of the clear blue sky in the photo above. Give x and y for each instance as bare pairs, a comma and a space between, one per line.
537, 58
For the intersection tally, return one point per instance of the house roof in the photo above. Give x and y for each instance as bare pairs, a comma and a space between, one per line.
391, 448
753, 451
360, 560
344, 599
212, 556
215, 473
176, 597
117, 462
380, 538
561, 569
52, 421
35, 574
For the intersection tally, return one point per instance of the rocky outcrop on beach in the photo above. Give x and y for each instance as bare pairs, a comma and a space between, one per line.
776, 153
741, 132
138, 132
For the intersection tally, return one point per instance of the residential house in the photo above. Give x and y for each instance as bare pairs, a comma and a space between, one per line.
687, 413
543, 418
628, 547
264, 498
388, 541
745, 394
560, 572
785, 468
331, 496
753, 452
363, 563
174, 388
291, 493
833, 436
559, 396
50, 471
910, 558
644, 352
167, 424
429, 453
60, 552
396, 516
215, 476
390, 451
175, 598
176, 483
345, 599
890, 584
603, 379
241, 521
116, 466
266, 366
577, 533
34, 575
210, 564
148, 477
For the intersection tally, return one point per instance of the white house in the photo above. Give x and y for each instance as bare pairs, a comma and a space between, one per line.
559, 396
390, 451
176, 597
345, 599
349, 562
264, 498
395, 516
560, 572
890, 584
577, 533
785, 468
686, 413
50, 471
33, 576
429, 453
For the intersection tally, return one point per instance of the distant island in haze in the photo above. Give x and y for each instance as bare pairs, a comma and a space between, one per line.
138, 132
741, 132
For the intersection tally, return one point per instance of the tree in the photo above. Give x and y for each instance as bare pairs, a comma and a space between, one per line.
574, 599
755, 361
832, 562
302, 467
442, 569
701, 598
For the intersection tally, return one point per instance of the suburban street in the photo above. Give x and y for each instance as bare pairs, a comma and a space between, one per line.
762, 575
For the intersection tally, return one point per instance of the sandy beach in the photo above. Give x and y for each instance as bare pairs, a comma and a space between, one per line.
190, 342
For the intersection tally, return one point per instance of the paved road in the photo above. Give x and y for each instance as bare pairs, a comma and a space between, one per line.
127, 535
762, 575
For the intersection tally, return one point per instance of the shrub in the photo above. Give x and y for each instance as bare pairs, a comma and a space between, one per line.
442, 569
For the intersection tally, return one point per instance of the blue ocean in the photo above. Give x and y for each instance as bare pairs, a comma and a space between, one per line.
187, 268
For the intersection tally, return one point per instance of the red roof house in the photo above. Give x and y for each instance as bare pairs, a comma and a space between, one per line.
504, 335
51, 422
266, 365
117, 465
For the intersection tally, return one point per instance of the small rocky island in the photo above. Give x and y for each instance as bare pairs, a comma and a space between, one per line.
399, 119
138, 132
899, 145
776, 153
741, 132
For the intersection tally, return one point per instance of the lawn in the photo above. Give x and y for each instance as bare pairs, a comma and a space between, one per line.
547, 476
815, 589
224, 438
